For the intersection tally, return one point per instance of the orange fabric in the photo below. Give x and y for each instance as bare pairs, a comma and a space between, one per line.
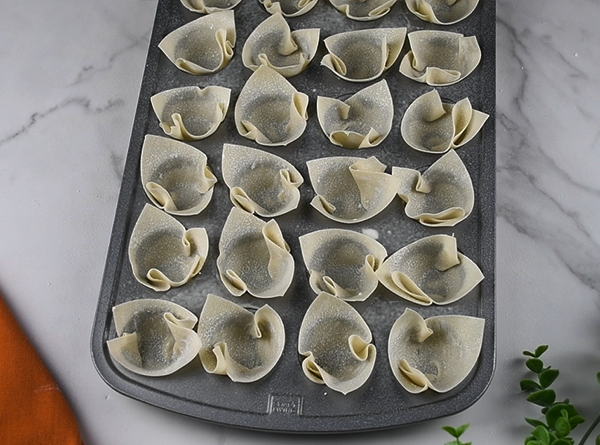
33, 410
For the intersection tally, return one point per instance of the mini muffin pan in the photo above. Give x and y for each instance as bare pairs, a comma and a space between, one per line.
285, 400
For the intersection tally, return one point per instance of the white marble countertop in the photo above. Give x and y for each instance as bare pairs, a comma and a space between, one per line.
70, 79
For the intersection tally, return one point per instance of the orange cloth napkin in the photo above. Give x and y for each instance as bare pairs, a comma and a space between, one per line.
33, 410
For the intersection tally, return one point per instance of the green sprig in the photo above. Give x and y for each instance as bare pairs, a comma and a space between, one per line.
559, 418
456, 433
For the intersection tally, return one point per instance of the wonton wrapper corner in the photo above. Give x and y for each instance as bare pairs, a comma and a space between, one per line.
269, 110
436, 353
260, 182
209, 6
442, 12
273, 44
203, 46
362, 121
191, 113
154, 337
243, 345
442, 196
440, 58
363, 55
430, 126
336, 344
288, 8
351, 189
363, 10
254, 257
162, 253
342, 262
176, 176
430, 271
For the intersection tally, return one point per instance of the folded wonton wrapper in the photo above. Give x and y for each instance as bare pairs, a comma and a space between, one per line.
273, 44
363, 55
155, 337
430, 270
442, 12
254, 257
438, 352
363, 10
176, 176
342, 262
440, 58
203, 46
162, 253
434, 127
442, 196
361, 121
191, 113
269, 110
260, 182
336, 342
209, 6
288, 8
349, 189
243, 345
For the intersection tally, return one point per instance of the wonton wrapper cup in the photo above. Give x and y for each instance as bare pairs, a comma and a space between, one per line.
442, 196
254, 257
342, 262
273, 44
191, 113
260, 182
430, 271
430, 126
362, 121
440, 58
203, 46
155, 337
436, 353
162, 253
363, 55
288, 8
336, 342
209, 6
243, 345
269, 110
350, 190
176, 176
363, 10
442, 12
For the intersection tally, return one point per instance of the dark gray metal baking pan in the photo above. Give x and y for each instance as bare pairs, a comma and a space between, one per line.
285, 400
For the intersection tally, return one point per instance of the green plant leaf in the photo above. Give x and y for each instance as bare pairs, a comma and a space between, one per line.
535, 422
535, 365
575, 420
461, 429
548, 377
598, 440
540, 350
451, 430
556, 411
545, 397
529, 353
598, 377
562, 427
541, 434
529, 385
